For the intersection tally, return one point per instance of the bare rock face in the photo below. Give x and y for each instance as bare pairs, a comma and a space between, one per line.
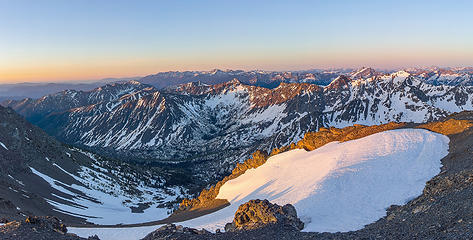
260, 213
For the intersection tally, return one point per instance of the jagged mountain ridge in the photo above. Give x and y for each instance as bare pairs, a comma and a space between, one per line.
35, 109
212, 127
445, 76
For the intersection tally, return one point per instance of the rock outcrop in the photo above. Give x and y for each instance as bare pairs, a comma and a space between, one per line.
260, 213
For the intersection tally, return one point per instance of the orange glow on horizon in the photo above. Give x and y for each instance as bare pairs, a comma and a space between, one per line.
84, 69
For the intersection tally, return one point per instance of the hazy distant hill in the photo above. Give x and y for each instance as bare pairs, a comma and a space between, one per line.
15, 91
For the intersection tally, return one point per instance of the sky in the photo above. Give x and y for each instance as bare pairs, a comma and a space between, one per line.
80, 39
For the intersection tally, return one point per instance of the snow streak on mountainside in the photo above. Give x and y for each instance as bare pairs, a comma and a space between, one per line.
340, 186
102, 201
210, 127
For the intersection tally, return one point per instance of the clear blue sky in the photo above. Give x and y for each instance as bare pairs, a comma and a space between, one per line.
45, 40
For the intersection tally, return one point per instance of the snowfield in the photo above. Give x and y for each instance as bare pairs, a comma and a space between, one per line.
337, 187
101, 199
340, 186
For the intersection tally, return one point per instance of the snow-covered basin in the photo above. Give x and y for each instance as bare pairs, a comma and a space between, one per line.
337, 187
109, 210
340, 186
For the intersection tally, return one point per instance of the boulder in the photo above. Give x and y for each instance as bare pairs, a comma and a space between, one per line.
260, 213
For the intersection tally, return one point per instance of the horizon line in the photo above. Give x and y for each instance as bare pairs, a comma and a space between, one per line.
130, 77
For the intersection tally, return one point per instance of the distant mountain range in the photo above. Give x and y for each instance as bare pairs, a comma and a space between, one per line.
268, 79
207, 128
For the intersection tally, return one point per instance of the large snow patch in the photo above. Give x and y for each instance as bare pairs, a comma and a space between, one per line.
340, 186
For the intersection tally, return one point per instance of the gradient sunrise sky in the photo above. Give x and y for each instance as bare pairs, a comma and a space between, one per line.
45, 40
